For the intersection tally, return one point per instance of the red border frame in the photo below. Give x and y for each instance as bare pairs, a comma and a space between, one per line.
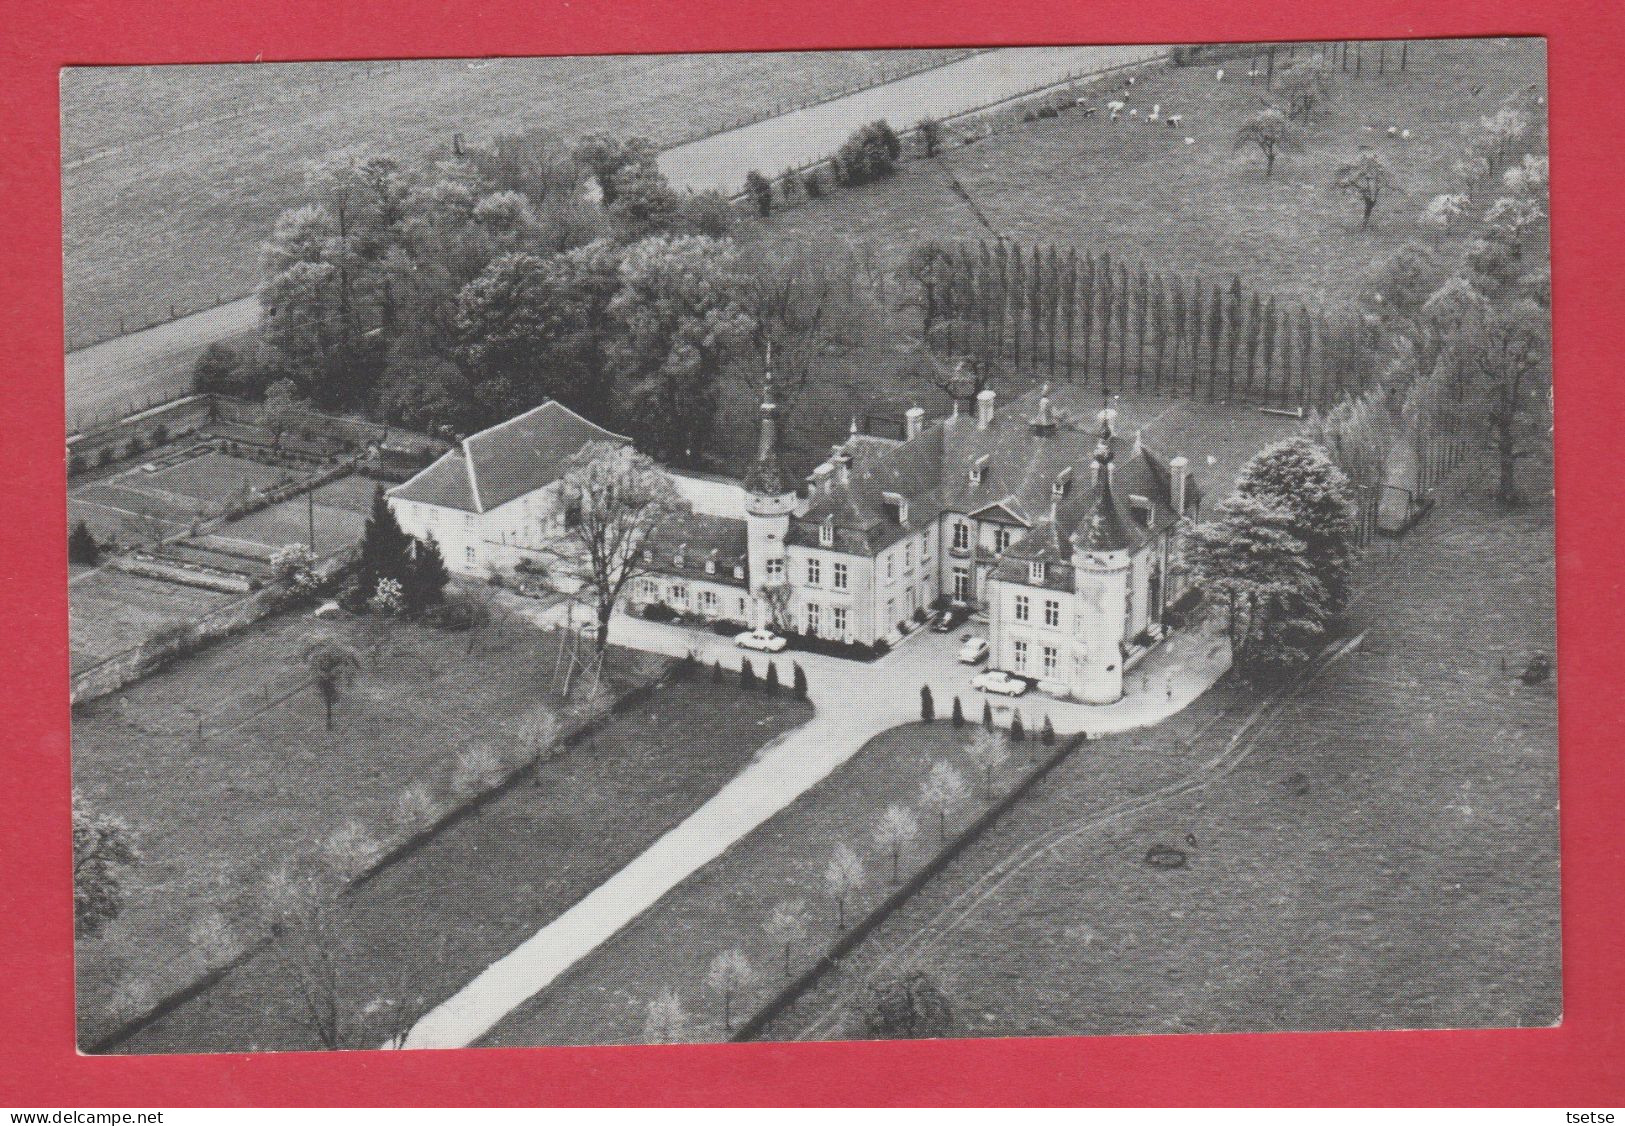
1581, 1062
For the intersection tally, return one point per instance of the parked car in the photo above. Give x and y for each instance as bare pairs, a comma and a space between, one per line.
999, 683
1055, 688
973, 651
944, 621
762, 640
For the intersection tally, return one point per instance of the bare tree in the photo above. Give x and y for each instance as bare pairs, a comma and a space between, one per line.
842, 877
896, 828
1271, 133
615, 499
1366, 178
730, 973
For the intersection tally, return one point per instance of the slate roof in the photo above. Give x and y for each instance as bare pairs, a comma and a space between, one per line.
1020, 463
495, 466
699, 537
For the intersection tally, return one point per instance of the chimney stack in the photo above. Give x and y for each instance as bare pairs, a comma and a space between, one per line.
913, 422
843, 467
984, 409
1176, 483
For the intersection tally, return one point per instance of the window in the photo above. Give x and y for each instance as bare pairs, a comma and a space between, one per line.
908, 555
891, 610
468, 554
1035, 571
812, 618
708, 601
814, 572
1002, 538
710, 566
744, 609
775, 570
1024, 608
648, 590
1052, 613
889, 566
679, 594
961, 584
1050, 656
840, 576
962, 536
826, 533
739, 571
1021, 656
838, 618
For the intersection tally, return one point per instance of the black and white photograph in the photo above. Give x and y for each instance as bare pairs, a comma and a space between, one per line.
811, 546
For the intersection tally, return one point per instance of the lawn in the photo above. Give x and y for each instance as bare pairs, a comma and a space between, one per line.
489, 881
1385, 857
604, 998
176, 217
109, 611
267, 782
1137, 190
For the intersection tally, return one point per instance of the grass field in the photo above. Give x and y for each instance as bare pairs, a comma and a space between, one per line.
177, 218
491, 880
1137, 190
109, 611
1386, 856
267, 782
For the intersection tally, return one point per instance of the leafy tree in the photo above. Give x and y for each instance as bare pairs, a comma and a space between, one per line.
102, 847
332, 666
679, 316
1403, 281
760, 190
942, 792
910, 1007
1299, 477
928, 709
667, 1020
1365, 178
730, 973
896, 828
218, 370
606, 157
645, 204
82, 546
869, 154
787, 928
280, 409
620, 498
843, 877
1271, 132
1256, 574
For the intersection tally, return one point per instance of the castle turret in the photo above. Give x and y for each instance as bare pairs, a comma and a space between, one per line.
1102, 562
769, 500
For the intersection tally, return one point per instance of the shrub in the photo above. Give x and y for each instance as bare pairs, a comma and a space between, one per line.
716, 672
881, 647
135, 447
928, 707
105, 456
160, 434
789, 184
1018, 730
919, 616
760, 191
800, 682
76, 464
82, 546
958, 717
660, 612
869, 154
1048, 733
476, 768
453, 614
747, 674
812, 183
987, 714
772, 682
415, 806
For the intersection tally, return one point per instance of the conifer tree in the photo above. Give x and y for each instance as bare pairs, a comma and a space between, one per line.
385, 549
424, 584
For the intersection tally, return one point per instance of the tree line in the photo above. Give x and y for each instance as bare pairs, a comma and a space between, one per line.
1087, 318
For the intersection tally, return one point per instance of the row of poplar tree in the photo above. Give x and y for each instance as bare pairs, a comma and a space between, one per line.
1090, 318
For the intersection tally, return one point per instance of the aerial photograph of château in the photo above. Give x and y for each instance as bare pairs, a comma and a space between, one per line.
822, 545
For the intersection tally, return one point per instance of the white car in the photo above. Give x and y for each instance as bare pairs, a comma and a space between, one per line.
973, 651
762, 640
1001, 683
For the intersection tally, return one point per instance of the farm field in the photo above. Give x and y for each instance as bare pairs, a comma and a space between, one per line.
1137, 190
490, 880
267, 783
109, 611
1385, 857
177, 217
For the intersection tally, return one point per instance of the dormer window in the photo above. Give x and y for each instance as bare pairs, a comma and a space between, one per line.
978, 468
1141, 507
677, 559
710, 566
896, 507
826, 533
1035, 571
739, 570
